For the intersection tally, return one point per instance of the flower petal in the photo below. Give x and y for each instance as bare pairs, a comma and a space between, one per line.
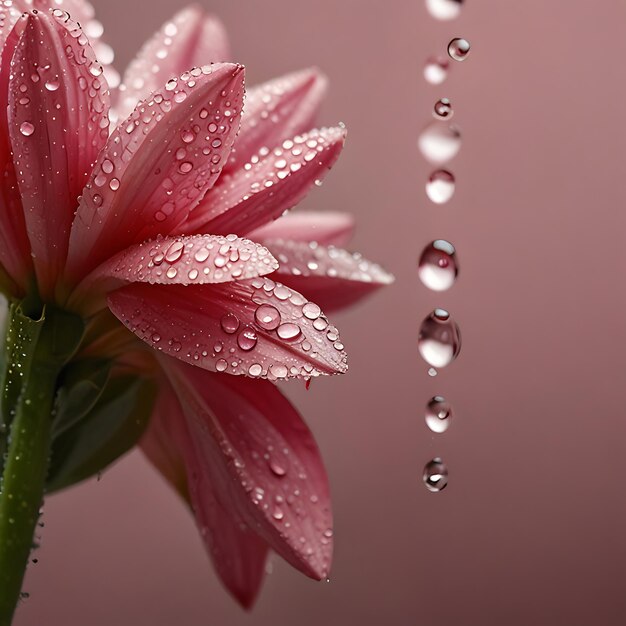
238, 554
277, 110
58, 122
270, 184
331, 276
262, 461
14, 245
255, 327
157, 164
189, 39
328, 227
192, 260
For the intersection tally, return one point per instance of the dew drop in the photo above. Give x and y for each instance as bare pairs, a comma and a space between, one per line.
439, 340
436, 70
439, 142
267, 317
52, 85
439, 414
443, 109
277, 468
27, 129
444, 9
435, 475
440, 186
247, 339
458, 49
311, 311
221, 365
438, 266
289, 331
229, 323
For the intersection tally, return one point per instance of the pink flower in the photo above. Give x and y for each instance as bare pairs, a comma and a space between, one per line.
148, 240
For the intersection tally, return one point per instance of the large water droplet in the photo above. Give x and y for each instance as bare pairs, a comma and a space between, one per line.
247, 339
435, 475
443, 109
439, 142
267, 317
229, 323
438, 265
27, 129
438, 414
436, 70
444, 9
458, 49
439, 340
440, 186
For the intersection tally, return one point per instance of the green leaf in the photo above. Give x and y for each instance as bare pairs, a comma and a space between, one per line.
81, 386
110, 429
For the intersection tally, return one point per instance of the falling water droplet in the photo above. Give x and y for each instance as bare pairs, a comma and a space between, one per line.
438, 265
27, 129
436, 70
439, 142
435, 475
458, 49
443, 109
444, 9
440, 186
439, 340
438, 414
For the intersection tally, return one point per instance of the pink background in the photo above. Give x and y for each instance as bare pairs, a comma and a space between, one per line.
531, 527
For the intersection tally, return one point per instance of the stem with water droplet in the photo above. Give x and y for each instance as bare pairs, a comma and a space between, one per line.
34, 358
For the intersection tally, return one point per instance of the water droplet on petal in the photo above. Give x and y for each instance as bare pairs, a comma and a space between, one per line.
247, 339
440, 186
458, 49
443, 109
436, 70
229, 323
27, 129
438, 414
444, 9
52, 85
435, 475
277, 468
439, 142
267, 317
439, 340
289, 331
438, 266
311, 311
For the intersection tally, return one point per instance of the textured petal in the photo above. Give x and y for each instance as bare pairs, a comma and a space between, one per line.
189, 39
58, 122
328, 228
277, 110
238, 554
333, 277
270, 184
192, 260
157, 164
255, 328
268, 472
14, 246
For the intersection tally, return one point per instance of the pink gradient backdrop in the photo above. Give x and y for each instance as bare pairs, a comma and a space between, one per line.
531, 527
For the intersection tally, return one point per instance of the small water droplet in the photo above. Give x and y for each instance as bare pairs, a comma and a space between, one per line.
439, 340
443, 109
435, 475
311, 311
288, 331
52, 85
439, 142
438, 414
436, 70
440, 186
432, 372
444, 9
27, 129
458, 49
438, 266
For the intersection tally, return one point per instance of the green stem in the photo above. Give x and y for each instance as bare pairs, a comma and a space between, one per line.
35, 359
